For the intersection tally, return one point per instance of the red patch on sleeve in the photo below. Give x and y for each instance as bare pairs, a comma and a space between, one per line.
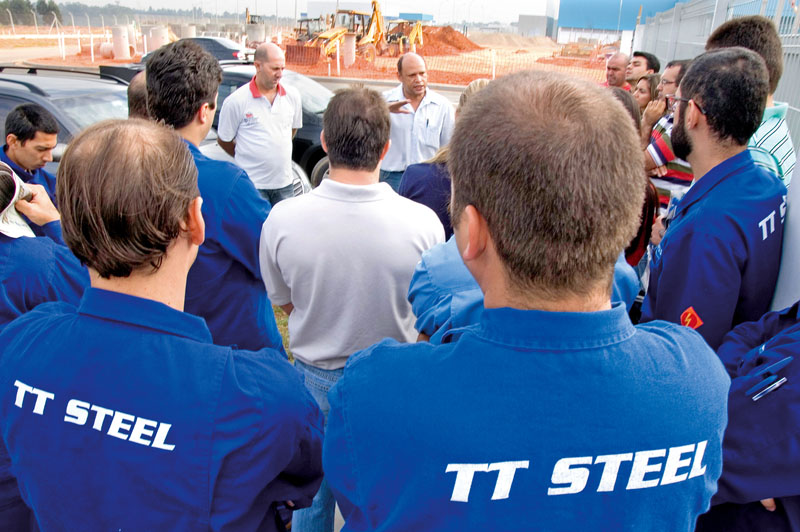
691, 319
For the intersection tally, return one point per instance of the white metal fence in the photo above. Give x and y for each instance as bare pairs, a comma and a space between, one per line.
681, 33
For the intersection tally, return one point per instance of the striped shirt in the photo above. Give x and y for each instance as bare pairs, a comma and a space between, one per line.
771, 145
679, 175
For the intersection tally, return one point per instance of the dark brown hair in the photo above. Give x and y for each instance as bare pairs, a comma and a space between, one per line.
356, 128
531, 153
124, 189
755, 33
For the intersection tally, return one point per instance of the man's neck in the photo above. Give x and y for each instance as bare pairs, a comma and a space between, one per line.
770, 100
354, 177
193, 133
268, 93
414, 98
166, 285
705, 157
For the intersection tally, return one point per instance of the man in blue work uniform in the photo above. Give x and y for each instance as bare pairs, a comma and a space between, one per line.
718, 263
554, 412
121, 414
33, 270
445, 297
225, 286
31, 136
760, 485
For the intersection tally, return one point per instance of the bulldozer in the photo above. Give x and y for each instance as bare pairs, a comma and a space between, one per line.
369, 29
309, 28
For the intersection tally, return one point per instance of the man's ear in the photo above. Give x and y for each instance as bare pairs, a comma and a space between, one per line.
11, 139
693, 115
202, 114
195, 224
476, 234
385, 149
322, 140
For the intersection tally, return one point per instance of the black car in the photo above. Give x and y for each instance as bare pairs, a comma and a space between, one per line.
307, 149
77, 99
221, 48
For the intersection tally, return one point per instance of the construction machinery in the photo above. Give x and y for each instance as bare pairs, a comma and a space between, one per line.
370, 33
309, 29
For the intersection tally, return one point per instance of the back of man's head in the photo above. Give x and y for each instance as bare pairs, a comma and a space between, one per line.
559, 205
356, 129
181, 77
137, 97
25, 120
755, 33
124, 189
730, 85
652, 61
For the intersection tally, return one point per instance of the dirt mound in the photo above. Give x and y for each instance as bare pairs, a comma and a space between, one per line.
444, 40
510, 40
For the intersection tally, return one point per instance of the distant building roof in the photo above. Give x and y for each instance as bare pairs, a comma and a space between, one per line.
603, 14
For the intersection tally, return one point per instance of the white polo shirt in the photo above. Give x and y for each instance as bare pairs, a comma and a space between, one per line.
348, 276
417, 136
263, 132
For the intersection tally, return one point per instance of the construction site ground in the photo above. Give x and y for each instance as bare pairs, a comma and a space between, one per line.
451, 57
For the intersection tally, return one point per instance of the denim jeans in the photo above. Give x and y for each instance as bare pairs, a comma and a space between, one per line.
393, 178
274, 195
320, 515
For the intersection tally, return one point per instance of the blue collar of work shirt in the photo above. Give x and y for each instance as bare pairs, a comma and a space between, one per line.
714, 177
538, 329
115, 306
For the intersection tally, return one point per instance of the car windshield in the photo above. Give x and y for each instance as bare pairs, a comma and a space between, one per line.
315, 96
85, 111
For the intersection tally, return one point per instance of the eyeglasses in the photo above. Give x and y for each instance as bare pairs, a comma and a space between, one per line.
663, 81
671, 99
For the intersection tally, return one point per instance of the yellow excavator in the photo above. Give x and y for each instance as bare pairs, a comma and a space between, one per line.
372, 39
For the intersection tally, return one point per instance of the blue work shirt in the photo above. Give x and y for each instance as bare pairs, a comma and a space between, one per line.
224, 284
37, 177
761, 450
121, 415
530, 420
429, 184
33, 271
717, 264
444, 296
36, 270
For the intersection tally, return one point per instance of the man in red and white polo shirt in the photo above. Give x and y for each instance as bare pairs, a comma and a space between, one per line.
257, 123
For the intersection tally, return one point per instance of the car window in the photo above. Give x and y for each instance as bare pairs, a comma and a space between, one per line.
100, 106
7, 104
315, 96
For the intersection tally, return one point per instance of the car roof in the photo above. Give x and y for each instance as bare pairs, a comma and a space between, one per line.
56, 84
221, 40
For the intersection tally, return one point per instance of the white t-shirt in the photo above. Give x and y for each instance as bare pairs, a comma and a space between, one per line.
263, 132
344, 255
417, 135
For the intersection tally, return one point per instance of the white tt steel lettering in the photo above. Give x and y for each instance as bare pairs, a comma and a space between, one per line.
641, 467
563, 473
674, 462
41, 397
505, 476
611, 469
464, 474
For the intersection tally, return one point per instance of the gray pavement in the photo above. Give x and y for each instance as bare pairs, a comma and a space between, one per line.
13, 55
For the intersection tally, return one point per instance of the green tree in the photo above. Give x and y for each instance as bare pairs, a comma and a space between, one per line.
53, 7
41, 7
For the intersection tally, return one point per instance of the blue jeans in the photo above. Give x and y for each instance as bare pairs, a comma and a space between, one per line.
393, 178
274, 195
319, 516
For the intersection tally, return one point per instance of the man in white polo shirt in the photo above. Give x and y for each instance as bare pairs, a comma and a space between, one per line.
344, 282
422, 120
258, 122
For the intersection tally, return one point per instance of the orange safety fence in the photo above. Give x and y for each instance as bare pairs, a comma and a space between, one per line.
456, 69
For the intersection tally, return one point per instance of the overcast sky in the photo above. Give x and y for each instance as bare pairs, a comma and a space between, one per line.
442, 10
